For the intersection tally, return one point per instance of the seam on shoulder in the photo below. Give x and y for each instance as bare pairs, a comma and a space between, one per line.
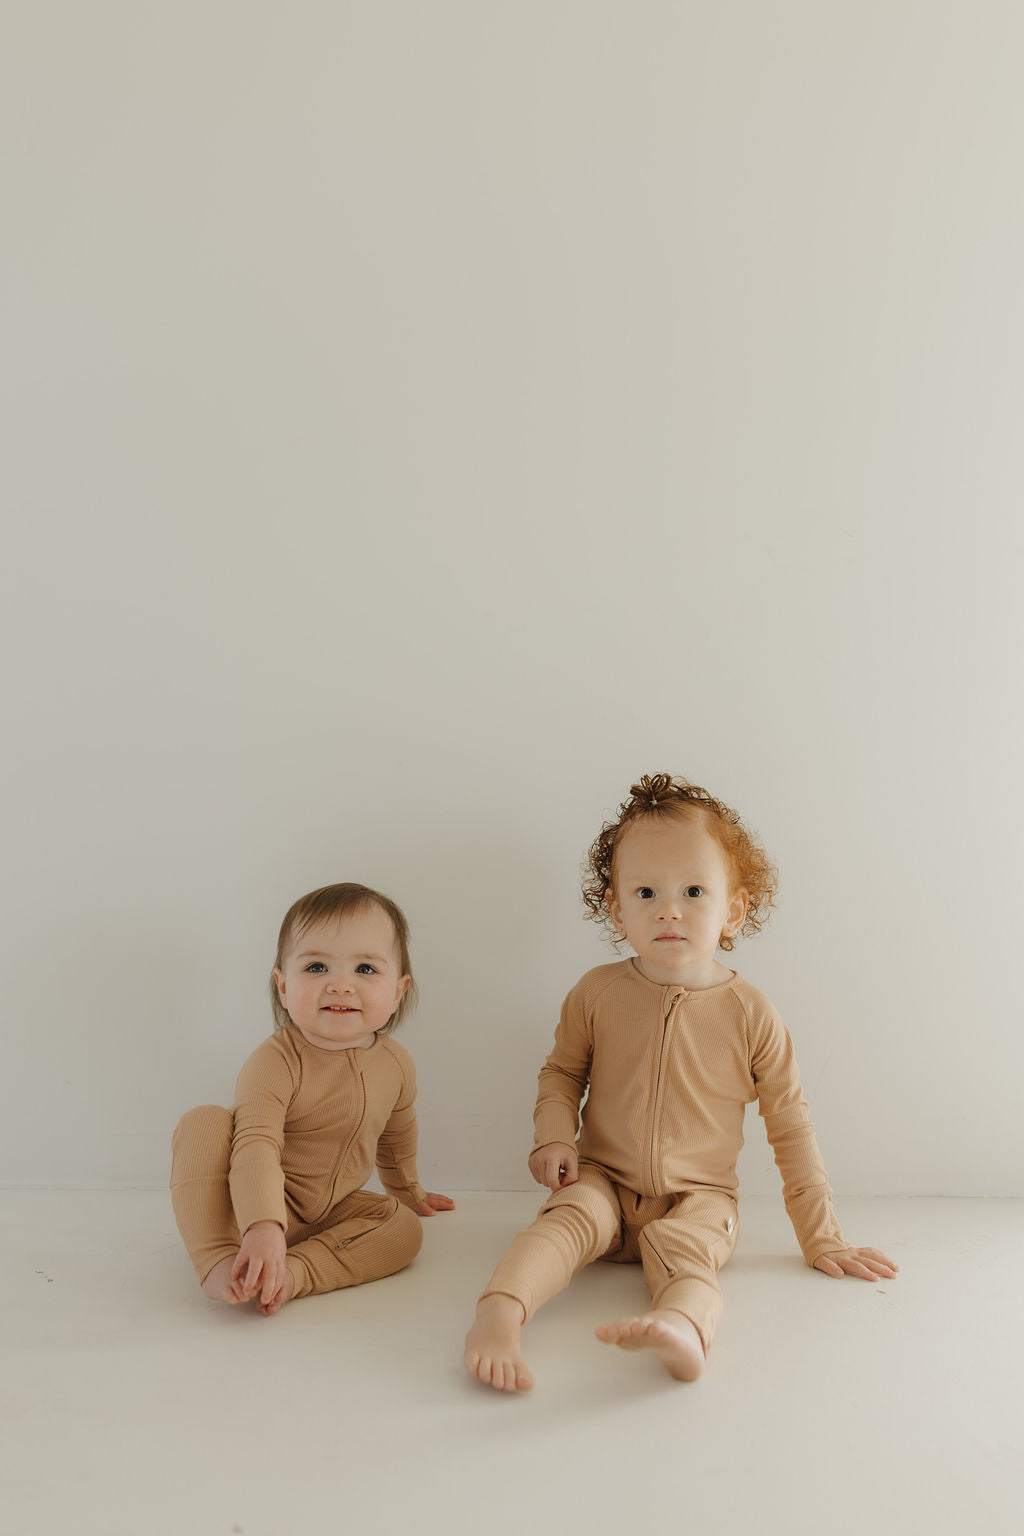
293, 1067
397, 1057
611, 982
737, 993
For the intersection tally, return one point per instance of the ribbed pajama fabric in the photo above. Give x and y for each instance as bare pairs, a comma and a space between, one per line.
681, 1241
667, 1074
365, 1236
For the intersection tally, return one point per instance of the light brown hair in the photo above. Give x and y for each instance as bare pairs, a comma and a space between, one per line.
336, 901
659, 795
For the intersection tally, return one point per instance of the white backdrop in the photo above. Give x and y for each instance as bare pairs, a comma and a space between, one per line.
423, 419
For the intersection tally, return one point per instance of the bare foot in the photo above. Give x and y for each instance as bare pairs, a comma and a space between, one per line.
671, 1335
493, 1352
219, 1285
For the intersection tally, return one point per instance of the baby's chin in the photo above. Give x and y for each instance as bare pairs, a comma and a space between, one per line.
672, 953
678, 964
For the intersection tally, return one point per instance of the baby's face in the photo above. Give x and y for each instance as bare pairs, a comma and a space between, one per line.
672, 897
341, 980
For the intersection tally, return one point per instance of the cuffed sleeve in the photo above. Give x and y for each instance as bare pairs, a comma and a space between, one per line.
790, 1131
396, 1147
563, 1078
256, 1180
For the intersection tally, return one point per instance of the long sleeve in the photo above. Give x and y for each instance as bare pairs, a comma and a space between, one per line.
564, 1077
790, 1131
396, 1146
256, 1180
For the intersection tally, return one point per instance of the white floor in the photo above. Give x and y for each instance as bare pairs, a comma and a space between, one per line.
131, 1406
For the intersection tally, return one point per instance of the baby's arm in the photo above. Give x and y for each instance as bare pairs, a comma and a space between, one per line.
805, 1183
790, 1131
396, 1149
561, 1085
263, 1094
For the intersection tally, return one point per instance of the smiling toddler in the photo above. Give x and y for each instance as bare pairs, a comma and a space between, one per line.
268, 1196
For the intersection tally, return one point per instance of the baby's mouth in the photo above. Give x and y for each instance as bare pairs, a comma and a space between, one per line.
336, 1008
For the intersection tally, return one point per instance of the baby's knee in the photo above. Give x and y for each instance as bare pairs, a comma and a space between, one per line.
405, 1232
585, 1213
385, 1247
201, 1141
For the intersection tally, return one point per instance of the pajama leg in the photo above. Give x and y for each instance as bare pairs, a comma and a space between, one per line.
368, 1236
682, 1253
200, 1157
365, 1237
575, 1226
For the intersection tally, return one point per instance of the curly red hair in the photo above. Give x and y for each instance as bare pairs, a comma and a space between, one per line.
661, 795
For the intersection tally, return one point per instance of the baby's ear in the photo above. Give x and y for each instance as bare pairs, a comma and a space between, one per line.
614, 910
737, 911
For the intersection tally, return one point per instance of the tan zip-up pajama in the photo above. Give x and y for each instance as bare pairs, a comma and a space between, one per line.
669, 1074
307, 1127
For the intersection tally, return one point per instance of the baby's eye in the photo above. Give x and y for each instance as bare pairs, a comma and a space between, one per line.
316, 966
695, 890
365, 969
645, 893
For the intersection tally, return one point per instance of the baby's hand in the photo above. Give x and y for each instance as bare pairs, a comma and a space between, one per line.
259, 1263
866, 1263
556, 1165
431, 1204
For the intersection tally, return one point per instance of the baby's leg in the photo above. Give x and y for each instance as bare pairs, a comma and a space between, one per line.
575, 1226
368, 1236
200, 1158
681, 1254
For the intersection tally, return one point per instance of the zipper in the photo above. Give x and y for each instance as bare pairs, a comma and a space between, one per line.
655, 1113
343, 1159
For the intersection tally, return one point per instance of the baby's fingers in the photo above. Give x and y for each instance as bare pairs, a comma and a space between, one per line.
251, 1283
881, 1258
827, 1267
854, 1267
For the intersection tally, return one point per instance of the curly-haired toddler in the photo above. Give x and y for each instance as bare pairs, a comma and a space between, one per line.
669, 1047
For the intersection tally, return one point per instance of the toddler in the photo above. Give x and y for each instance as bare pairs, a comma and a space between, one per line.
268, 1196
671, 1045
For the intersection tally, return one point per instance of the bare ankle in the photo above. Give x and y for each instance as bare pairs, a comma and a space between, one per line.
503, 1308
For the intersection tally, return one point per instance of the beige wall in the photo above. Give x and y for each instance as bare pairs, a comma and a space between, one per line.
425, 418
